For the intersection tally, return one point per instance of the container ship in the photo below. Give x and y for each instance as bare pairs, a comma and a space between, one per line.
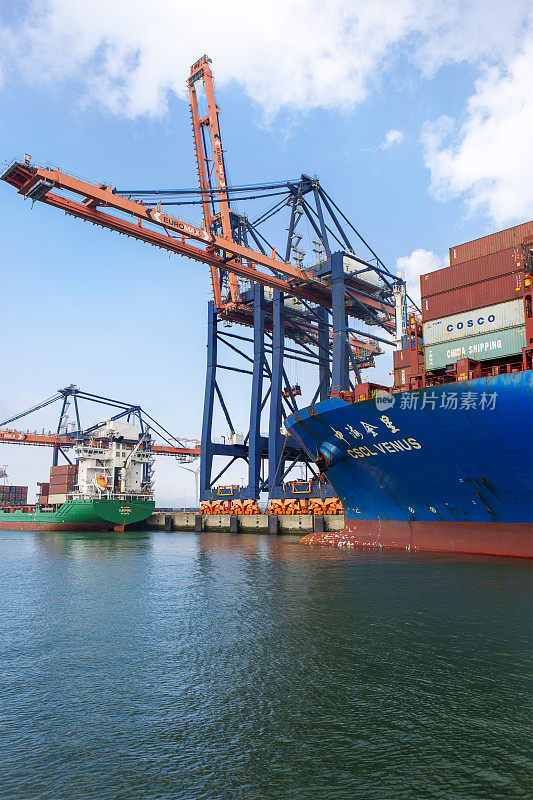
443, 459
108, 487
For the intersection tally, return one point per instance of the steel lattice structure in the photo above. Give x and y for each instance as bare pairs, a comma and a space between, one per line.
69, 435
332, 313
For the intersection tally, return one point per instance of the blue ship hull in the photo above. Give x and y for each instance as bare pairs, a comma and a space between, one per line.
444, 468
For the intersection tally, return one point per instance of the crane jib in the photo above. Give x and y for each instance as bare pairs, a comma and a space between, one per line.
183, 227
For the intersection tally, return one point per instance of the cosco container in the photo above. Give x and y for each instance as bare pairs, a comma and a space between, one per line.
479, 348
503, 240
471, 323
479, 269
468, 298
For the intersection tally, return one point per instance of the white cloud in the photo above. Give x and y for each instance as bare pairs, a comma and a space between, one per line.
391, 137
299, 55
412, 267
487, 160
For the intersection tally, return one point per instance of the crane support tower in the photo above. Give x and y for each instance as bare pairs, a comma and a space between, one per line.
330, 307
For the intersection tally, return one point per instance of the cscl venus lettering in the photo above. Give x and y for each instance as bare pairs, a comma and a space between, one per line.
397, 446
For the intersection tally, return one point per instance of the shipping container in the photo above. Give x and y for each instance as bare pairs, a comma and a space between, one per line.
401, 376
57, 499
503, 240
64, 469
472, 323
483, 347
469, 298
479, 269
401, 358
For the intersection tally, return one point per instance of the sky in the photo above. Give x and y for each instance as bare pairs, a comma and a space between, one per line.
416, 115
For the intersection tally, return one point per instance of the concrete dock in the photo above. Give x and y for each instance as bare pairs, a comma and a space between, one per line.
244, 523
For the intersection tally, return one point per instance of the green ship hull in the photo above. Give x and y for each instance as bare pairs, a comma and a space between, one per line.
80, 514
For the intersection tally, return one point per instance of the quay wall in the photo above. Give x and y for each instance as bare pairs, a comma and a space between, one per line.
244, 523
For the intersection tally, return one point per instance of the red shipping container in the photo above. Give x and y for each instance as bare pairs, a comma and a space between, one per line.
401, 358
401, 376
486, 245
474, 271
64, 469
477, 295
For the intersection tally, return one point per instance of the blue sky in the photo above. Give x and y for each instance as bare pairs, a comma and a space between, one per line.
101, 95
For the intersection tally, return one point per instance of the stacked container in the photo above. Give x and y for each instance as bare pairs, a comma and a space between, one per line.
62, 482
13, 495
409, 361
475, 307
44, 491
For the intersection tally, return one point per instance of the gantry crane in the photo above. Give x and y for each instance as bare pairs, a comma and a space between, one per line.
71, 434
323, 313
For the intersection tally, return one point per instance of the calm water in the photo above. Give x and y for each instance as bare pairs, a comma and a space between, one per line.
181, 666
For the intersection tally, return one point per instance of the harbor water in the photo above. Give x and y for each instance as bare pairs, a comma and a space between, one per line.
176, 665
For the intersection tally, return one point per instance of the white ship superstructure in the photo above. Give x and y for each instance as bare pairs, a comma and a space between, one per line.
120, 465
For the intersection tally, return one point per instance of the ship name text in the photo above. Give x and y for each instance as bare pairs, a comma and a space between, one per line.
397, 446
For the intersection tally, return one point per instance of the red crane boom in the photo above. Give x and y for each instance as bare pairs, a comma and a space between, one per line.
58, 440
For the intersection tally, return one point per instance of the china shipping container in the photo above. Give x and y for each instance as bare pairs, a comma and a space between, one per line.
479, 269
472, 323
483, 347
477, 295
503, 240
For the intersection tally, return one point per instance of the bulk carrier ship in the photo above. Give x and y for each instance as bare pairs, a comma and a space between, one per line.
109, 486
443, 460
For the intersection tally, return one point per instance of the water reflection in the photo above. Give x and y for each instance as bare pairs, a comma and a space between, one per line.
89, 543
182, 666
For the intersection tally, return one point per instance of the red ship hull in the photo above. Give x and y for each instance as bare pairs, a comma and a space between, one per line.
491, 539
55, 526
